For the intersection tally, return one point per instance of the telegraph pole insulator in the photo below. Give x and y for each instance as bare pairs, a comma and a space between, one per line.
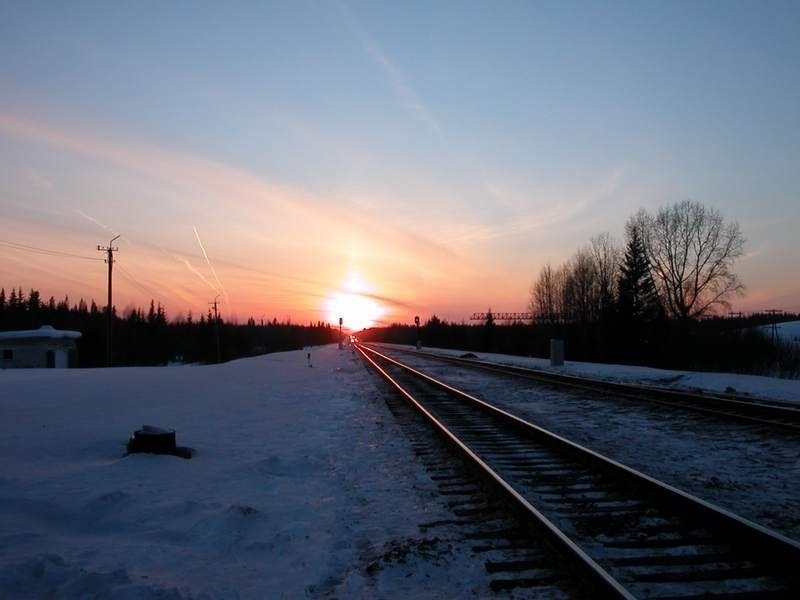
109, 250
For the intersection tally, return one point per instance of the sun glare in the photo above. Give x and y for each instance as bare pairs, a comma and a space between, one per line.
353, 304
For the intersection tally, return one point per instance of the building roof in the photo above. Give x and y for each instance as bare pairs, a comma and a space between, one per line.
44, 332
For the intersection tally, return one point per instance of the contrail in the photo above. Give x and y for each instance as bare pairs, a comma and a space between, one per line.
195, 271
210, 266
93, 220
396, 79
180, 259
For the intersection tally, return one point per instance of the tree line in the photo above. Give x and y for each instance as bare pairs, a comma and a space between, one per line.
676, 264
148, 337
658, 299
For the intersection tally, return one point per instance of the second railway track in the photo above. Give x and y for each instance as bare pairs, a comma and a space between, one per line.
761, 412
631, 535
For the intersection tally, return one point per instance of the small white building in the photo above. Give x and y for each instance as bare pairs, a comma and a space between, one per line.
38, 348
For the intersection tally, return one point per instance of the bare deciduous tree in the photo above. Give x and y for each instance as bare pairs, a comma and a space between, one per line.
691, 251
546, 299
607, 258
543, 301
580, 287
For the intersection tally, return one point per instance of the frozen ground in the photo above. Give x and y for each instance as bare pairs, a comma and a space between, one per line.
788, 331
784, 390
302, 486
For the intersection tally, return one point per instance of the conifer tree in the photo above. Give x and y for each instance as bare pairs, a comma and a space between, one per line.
34, 301
638, 300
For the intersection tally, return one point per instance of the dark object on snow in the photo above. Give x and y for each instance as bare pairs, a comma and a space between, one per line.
556, 353
468, 355
155, 440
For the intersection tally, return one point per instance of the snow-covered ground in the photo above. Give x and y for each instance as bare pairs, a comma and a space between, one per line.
787, 332
772, 388
301, 485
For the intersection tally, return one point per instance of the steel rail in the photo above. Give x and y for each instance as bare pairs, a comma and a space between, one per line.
762, 412
598, 577
781, 550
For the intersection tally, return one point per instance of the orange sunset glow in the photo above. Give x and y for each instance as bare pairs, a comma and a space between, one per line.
442, 299
353, 305
344, 190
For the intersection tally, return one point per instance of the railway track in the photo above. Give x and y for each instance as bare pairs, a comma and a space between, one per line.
514, 557
630, 535
760, 412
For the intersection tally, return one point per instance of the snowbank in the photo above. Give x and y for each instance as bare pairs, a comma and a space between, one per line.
787, 332
45, 332
301, 479
770, 388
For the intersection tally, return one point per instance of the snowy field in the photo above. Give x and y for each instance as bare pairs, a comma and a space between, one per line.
772, 388
787, 332
302, 486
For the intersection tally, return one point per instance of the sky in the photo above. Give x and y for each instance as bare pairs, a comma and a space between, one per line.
380, 160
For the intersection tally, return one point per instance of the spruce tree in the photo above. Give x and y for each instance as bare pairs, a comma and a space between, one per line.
638, 301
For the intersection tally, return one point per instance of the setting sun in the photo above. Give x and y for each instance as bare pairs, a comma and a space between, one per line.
353, 304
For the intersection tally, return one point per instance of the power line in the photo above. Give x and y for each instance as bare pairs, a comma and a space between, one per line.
134, 281
44, 251
503, 316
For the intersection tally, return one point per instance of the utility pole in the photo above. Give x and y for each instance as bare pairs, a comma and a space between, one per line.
774, 312
216, 326
109, 250
340, 333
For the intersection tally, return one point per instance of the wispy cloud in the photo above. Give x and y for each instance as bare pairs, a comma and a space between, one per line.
242, 190
755, 252
557, 206
38, 180
395, 78
280, 224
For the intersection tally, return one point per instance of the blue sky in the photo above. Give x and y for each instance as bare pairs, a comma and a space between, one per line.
442, 152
